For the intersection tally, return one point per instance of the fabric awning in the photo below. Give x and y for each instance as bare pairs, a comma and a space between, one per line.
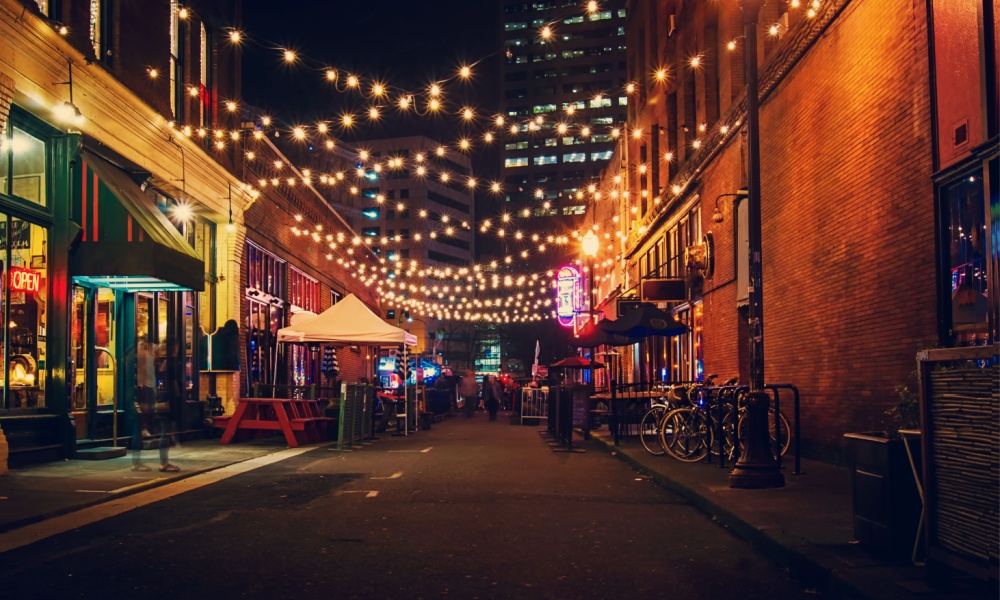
135, 249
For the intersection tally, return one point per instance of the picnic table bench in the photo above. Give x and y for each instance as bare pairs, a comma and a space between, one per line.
298, 419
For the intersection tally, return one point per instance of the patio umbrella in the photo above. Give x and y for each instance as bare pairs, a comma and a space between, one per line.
575, 362
593, 336
644, 321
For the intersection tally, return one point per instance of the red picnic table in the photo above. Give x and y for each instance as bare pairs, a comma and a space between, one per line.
299, 419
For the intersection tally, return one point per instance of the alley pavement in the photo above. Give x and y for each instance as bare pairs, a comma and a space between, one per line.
804, 527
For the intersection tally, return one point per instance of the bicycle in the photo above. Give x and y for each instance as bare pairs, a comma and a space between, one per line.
652, 422
687, 433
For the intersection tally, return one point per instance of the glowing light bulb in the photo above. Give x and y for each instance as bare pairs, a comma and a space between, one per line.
289, 56
499, 120
495, 187
592, 6
439, 151
434, 104
435, 90
695, 61
235, 36
731, 45
465, 72
660, 75
299, 133
637, 133
153, 73
488, 137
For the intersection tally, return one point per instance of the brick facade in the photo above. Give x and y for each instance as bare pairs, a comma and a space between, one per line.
847, 198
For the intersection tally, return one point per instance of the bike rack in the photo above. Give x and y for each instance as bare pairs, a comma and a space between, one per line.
732, 394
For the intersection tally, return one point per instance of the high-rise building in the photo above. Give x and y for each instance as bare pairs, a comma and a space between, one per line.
564, 81
407, 217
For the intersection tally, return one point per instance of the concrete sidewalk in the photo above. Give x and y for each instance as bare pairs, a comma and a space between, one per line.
32, 494
805, 527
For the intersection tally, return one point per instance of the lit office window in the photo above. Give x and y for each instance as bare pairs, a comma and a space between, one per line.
516, 161
575, 157
546, 160
606, 155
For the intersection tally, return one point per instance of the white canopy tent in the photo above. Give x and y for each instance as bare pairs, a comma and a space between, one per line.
347, 323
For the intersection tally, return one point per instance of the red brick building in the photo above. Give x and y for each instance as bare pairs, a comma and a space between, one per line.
860, 268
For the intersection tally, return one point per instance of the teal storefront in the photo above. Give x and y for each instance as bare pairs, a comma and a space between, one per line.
107, 285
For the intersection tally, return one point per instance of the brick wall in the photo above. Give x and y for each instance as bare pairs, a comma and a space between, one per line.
848, 212
848, 220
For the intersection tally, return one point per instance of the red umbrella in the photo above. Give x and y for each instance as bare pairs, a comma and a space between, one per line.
575, 362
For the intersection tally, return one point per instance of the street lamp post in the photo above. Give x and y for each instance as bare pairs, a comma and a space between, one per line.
590, 244
757, 468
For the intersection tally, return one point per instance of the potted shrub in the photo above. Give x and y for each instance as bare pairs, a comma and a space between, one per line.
886, 504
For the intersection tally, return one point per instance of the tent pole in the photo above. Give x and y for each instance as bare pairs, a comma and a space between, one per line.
406, 395
274, 380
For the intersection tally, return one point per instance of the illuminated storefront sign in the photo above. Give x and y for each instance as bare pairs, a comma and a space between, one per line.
23, 280
569, 300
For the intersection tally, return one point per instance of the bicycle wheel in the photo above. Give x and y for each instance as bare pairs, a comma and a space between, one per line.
649, 430
780, 440
686, 434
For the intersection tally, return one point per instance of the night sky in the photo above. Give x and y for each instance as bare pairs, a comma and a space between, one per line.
406, 44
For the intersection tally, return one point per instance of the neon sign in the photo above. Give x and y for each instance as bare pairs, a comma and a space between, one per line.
23, 280
569, 301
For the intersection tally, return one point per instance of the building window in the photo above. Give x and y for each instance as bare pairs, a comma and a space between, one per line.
515, 161
303, 292
575, 157
546, 160
574, 210
543, 108
963, 212
95, 26
204, 92
23, 155
176, 63
522, 145
265, 312
606, 155
515, 26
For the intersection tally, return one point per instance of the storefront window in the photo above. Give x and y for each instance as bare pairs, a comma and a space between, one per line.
303, 293
965, 228
265, 313
23, 260
23, 155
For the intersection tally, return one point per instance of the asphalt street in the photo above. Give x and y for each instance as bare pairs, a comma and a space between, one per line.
469, 509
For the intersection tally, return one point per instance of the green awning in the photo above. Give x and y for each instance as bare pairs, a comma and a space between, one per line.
135, 249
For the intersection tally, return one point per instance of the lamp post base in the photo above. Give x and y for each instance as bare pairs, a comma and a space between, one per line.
757, 469
751, 477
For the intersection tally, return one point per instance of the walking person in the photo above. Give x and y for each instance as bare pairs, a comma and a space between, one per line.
469, 391
492, 393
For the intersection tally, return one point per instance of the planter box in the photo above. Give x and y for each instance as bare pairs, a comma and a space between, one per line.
884, 493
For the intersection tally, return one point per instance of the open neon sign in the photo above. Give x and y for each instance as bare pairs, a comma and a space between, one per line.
569, 299
23, 280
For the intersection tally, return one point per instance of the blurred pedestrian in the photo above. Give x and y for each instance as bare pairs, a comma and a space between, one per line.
469, 391
492, 395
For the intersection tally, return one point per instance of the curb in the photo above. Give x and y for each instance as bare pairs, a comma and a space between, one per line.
803, 568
